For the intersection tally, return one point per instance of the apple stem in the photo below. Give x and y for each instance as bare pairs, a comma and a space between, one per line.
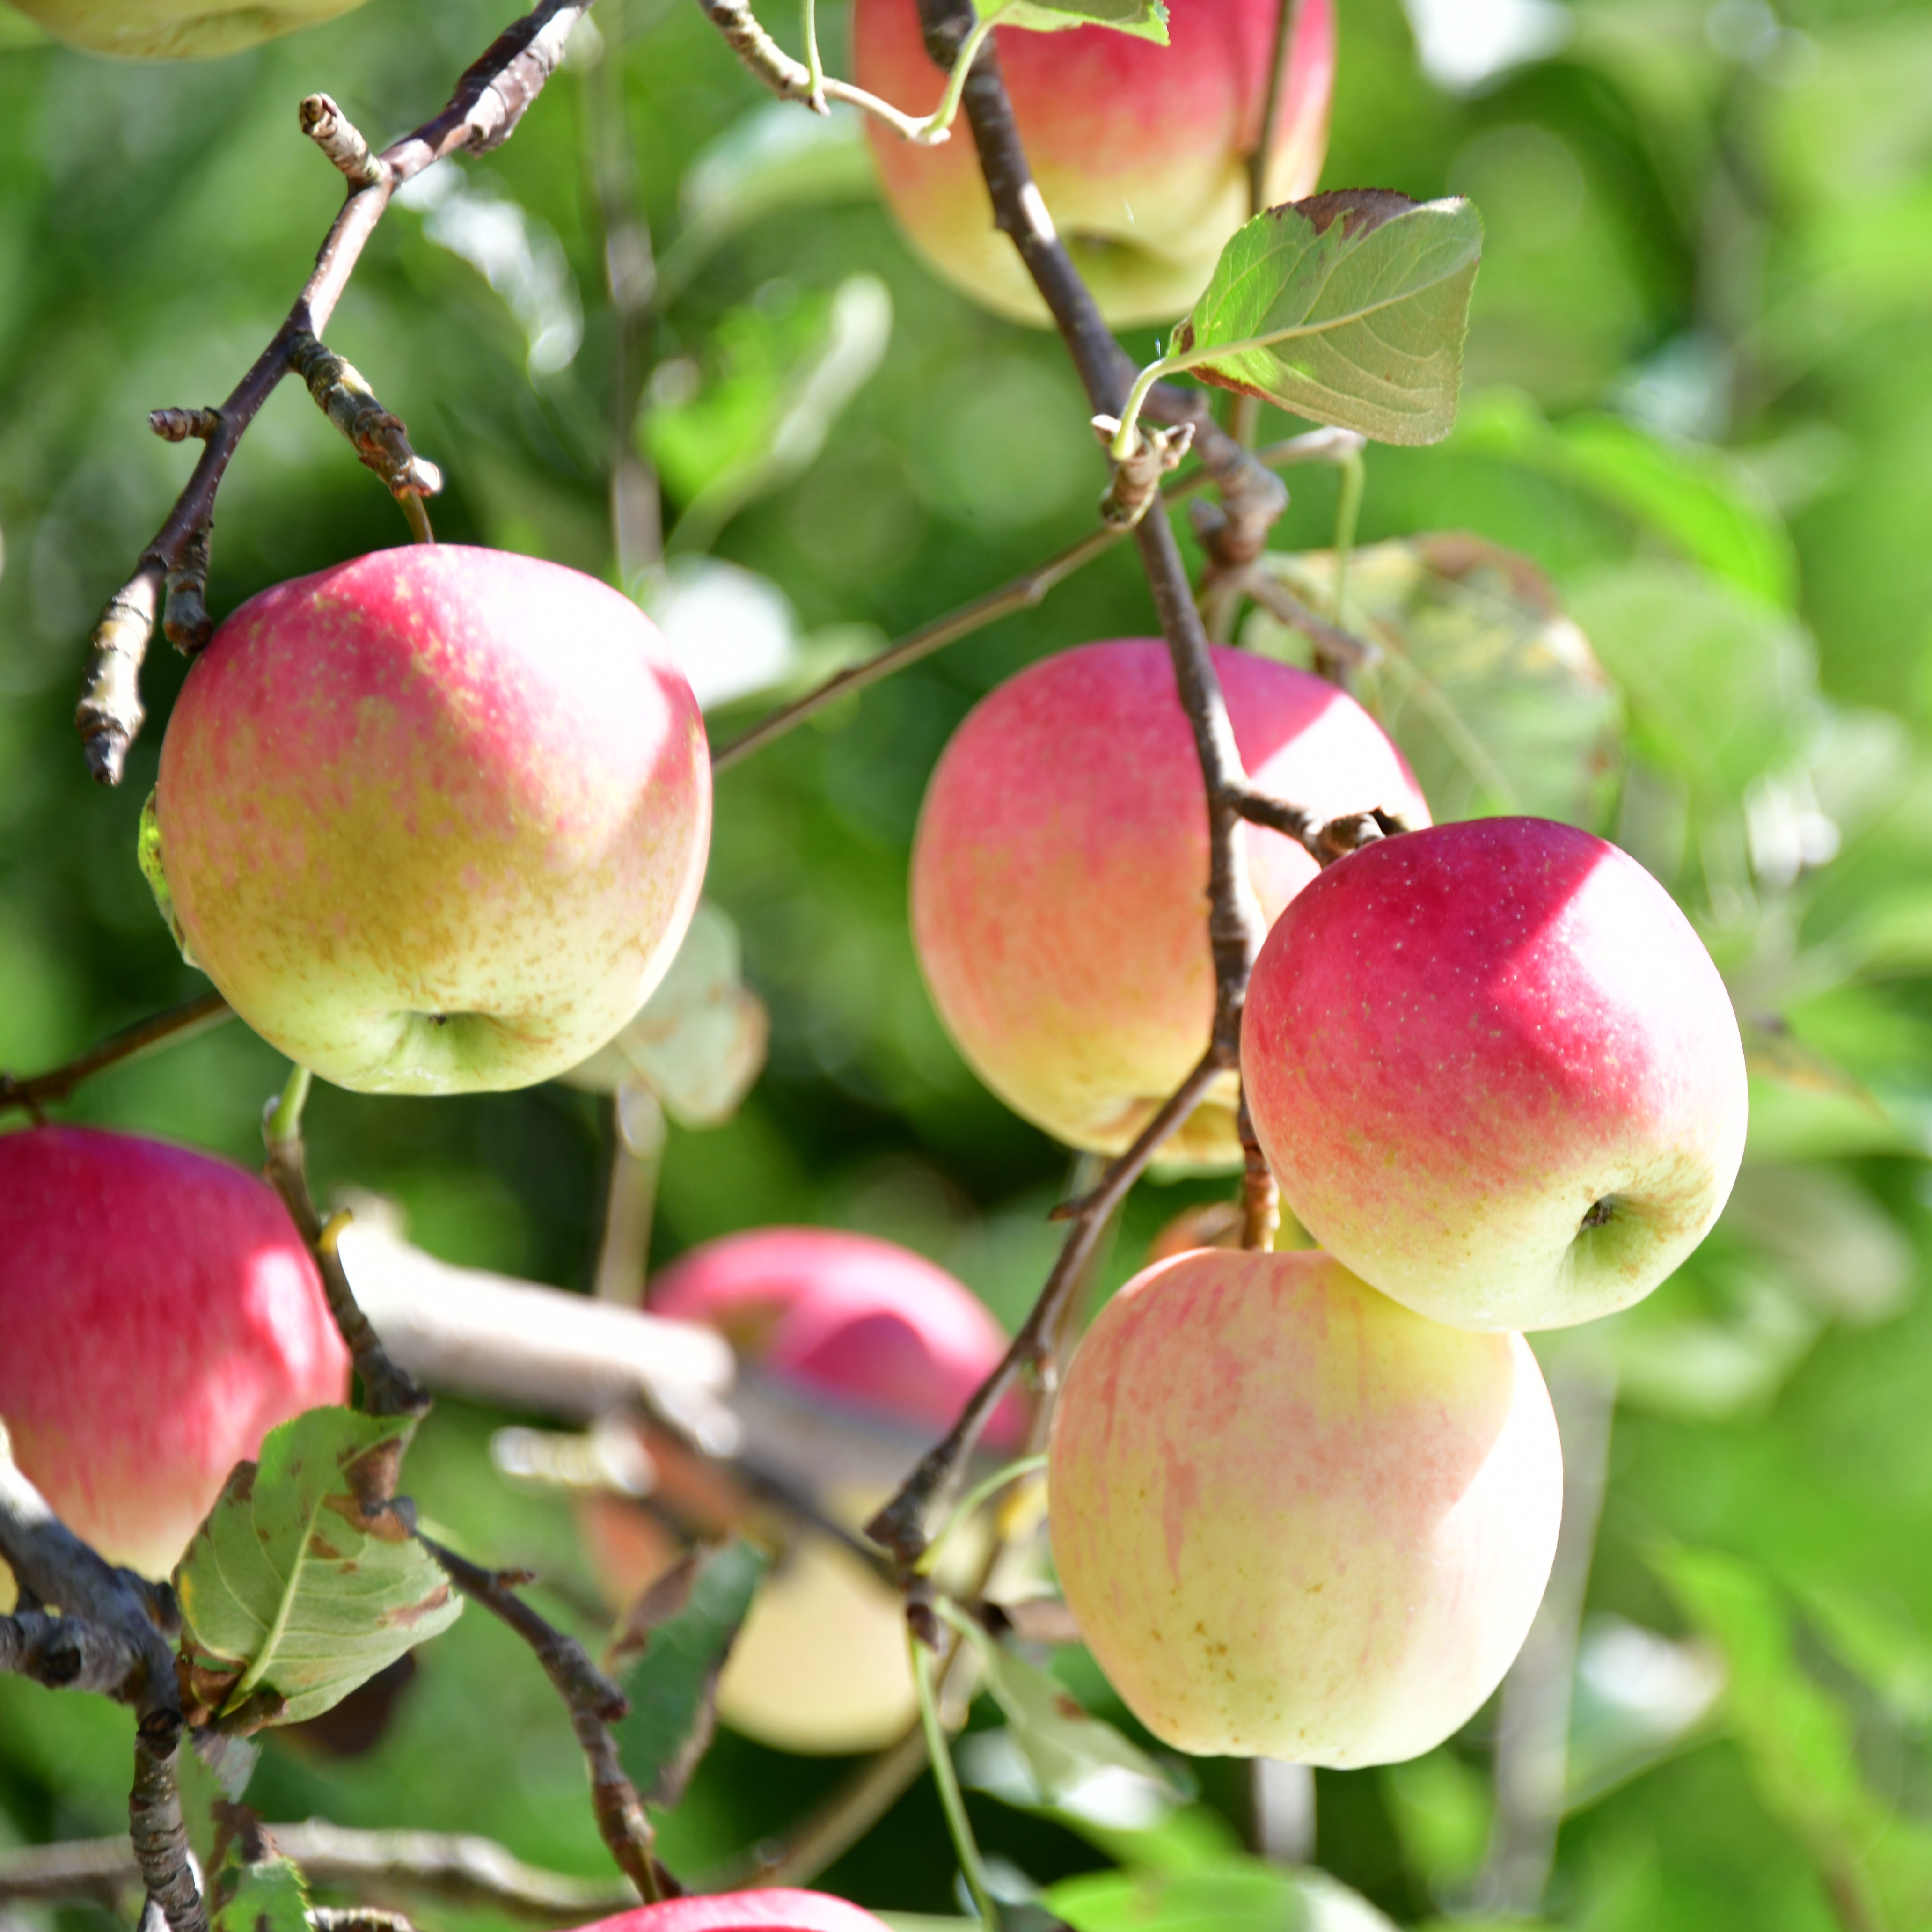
953, 1801
814, 64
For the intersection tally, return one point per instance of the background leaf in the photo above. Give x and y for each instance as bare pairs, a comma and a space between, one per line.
1145, 19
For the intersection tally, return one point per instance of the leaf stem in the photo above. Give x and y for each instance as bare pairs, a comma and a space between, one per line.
942, 118
939, 1749
1348, 511
814, 67
1122, 447
1026, 1466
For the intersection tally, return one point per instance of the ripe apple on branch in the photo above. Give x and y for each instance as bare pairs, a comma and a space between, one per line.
434, 819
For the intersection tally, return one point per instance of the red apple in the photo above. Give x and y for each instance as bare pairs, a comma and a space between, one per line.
820, 1664
1293, 1519
1496, 1073
159, 1314
435, 819
777, 1910
1141, 151
1059, 876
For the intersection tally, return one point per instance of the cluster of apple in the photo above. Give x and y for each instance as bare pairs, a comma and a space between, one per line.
1304, 1504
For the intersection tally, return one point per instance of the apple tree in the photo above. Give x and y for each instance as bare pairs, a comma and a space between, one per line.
1286, 638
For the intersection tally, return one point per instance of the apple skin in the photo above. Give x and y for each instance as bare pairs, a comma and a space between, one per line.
819, 1665
776, 1910
160, 1315
1458, 1042
1060, 875
174, 29
1295, 1520
1140, 151
435, 819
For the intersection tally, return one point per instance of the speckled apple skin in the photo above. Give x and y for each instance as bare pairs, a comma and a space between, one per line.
174, 29
1060, 876
1295, 1520
1458, 1042
159, 1314
435, 819
1140, 151
777, 1910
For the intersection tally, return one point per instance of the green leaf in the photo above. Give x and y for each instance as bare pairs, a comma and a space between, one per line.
1701, 500
1240, 1895
1067, 1750
1493, 693
1145, 19
148, 856
291, 1589
268, 1896
1347, 308
667, 1658
1801, 1744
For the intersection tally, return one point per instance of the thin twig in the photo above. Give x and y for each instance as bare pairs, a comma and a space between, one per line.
445, 1864
594, 1704
1287, 33
482, 112
387, 1389
163, 1029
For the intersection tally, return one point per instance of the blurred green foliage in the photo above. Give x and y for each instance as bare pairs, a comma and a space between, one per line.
1699, 400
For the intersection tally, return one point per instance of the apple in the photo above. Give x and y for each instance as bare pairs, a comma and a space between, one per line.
159, 1314
877, 1331
1496, 1073
435, 819
1141, 151
1060, 876
1294, 1520
174, 29
776, 1910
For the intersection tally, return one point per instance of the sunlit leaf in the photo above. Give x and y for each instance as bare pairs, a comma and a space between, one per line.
1491, 691
293, 1588
1146, 19
1349, 308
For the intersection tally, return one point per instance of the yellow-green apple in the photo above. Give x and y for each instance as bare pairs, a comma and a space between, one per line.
159, 1314
1140, 151
878, 1332
175, 29
1295, 1520
1496, 1073
434, 819
777, 1910
1059, 876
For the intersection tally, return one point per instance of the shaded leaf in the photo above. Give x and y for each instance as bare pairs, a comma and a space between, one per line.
291, 1589
1239, 1895
1493, 693
1800, 1743
1348, 308
668, 1663
1700, 499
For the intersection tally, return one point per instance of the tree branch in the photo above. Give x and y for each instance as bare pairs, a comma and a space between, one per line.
594, 1704
162, 1029
489, 100
445, 1864
128, 1618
